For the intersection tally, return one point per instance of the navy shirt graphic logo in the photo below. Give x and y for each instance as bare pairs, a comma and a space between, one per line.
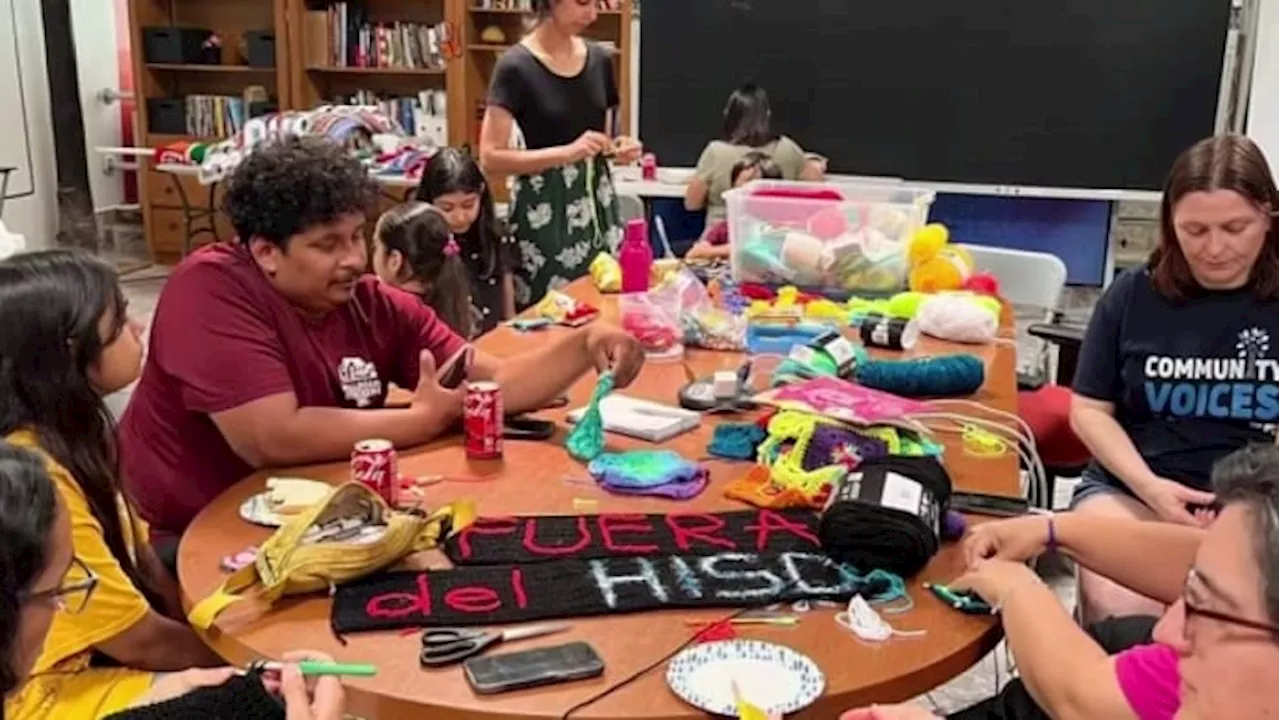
1230, 388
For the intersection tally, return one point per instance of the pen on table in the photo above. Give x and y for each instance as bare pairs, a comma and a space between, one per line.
318, 667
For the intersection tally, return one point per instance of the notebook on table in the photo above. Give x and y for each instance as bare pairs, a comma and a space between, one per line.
642, 419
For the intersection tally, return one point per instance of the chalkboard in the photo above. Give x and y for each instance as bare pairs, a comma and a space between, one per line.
1079, 94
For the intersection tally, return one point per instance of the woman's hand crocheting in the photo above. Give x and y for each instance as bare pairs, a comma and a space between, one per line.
1017, 539
1170, 500
589, 144
995, 581
627, 150
889, 712
321, 699
173, 685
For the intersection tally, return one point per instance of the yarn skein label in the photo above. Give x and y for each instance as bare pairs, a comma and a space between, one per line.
890, 490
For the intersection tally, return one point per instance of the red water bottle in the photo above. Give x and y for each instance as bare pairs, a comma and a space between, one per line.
649, 166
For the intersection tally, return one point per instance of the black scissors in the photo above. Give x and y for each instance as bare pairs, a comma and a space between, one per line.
446, 646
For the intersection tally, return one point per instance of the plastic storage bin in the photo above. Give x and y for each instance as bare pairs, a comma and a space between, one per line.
836, 238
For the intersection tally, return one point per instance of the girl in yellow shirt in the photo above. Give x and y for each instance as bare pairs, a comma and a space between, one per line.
65, 342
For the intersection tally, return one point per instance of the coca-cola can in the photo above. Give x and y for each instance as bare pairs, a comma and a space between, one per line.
649, 166
374, 463
482, 420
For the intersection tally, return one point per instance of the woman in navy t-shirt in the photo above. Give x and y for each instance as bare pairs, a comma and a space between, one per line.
1179, 364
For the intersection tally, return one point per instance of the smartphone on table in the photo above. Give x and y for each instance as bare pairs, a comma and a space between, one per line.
492, 674
455, 369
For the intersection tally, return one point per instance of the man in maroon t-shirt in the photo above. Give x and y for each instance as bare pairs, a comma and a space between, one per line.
278, 349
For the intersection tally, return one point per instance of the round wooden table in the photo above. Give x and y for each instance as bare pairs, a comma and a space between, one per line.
539, 478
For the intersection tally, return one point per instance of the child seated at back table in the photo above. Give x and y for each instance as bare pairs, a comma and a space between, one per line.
448, 248
714, 244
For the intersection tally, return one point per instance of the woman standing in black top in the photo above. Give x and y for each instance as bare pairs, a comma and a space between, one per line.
560, 90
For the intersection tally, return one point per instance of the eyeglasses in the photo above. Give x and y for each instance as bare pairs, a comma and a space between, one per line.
1194, 610
73, 594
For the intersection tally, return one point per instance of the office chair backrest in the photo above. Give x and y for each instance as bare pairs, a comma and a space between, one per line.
1027, 279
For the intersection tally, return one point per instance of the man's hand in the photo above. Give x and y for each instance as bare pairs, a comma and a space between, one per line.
435, 405
611, 348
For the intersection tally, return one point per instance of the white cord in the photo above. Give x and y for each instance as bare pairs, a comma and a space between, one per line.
861, 619
1021, 438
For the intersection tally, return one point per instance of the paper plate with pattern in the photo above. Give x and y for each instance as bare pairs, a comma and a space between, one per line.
772, 677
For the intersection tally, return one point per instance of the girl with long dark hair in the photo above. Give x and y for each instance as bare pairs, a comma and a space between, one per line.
454, 184
65, 342
747, 129
42, 579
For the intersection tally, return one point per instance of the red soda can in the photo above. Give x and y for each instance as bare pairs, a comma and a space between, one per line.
649, 166
482, 420
374, 463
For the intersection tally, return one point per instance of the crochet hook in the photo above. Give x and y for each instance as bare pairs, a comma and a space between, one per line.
319, 667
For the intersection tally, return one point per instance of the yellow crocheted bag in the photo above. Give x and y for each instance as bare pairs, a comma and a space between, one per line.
349, 534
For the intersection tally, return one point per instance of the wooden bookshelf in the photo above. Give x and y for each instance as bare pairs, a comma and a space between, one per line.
307, 73
231, 76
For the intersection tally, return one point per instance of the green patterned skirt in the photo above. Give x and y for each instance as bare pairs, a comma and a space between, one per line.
562, 219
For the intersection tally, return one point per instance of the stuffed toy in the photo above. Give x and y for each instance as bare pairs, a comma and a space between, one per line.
935, 264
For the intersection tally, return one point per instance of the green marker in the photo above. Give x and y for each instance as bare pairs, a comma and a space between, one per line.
319, 667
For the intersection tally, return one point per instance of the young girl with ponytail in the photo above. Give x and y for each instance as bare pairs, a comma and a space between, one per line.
449, 248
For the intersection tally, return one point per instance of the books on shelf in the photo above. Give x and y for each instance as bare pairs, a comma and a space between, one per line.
424, 115
214, 115
343, 36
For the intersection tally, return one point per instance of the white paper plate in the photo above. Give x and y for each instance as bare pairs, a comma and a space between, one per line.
257, 509
774, 678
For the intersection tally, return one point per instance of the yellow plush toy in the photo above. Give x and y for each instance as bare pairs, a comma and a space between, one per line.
935, 264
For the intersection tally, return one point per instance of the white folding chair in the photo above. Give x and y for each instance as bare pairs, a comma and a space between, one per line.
1033, 283
630, 207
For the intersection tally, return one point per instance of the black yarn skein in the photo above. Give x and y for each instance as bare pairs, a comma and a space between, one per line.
857, 530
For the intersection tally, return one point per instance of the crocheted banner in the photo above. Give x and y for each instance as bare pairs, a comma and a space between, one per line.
498, 594
518, 540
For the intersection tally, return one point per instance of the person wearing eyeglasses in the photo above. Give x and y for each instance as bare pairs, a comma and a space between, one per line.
66, 341
41, 581
1213, 654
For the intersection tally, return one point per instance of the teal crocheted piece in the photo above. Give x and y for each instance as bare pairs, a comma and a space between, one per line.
736, 441
586, 440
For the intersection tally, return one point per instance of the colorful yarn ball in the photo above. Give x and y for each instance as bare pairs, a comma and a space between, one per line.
944, 376
953, 525
828, 223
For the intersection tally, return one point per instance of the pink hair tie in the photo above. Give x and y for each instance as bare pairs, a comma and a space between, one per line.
451, 248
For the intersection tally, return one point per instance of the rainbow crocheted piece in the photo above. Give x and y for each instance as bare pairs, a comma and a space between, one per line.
586, 440
649, 472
